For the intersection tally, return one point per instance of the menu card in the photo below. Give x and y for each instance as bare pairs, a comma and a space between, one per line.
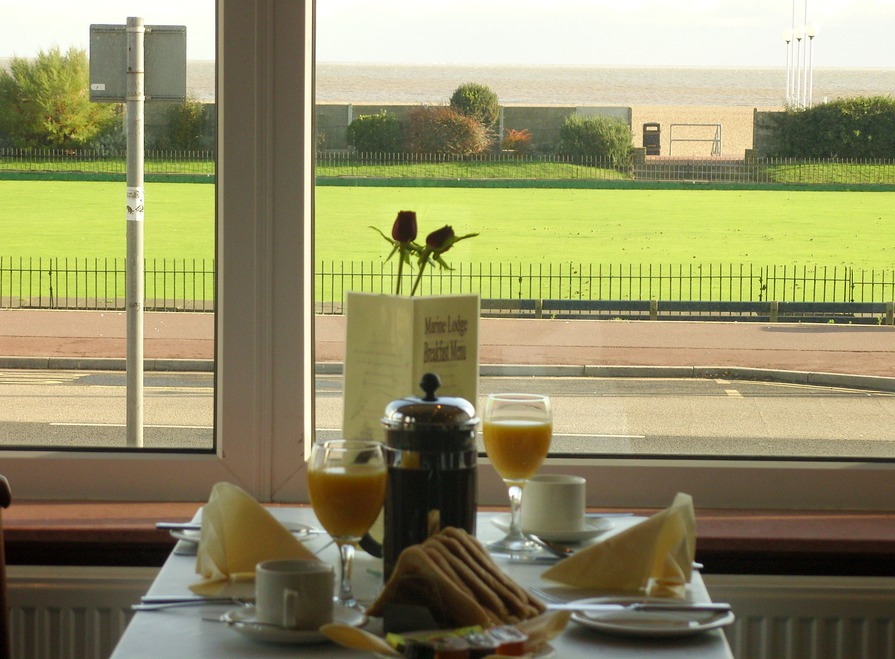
393, 340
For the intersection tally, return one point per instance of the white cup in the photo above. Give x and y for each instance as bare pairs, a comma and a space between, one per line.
553, 503
294, 594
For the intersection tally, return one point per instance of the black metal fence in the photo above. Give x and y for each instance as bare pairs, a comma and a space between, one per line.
339, 167
80, 283
545, 290
90, 161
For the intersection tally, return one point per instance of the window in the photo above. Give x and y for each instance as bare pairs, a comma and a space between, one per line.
264, 406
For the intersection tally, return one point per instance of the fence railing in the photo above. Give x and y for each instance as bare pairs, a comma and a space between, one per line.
554, 289
90, 161
546, 169
80, 283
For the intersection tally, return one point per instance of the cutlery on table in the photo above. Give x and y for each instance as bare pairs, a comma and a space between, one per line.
158, 602
664, 607
197, 526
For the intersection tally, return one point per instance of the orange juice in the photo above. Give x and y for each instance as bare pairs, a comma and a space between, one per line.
347, 500
516, 448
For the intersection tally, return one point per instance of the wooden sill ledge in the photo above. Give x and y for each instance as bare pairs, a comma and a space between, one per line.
729, 541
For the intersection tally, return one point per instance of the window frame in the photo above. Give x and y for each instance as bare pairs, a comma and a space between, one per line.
264, 409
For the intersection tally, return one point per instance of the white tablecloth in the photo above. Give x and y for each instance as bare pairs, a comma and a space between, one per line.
182, 632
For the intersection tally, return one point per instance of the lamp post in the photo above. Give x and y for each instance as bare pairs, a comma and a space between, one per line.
787, 37
811, 32
797, 82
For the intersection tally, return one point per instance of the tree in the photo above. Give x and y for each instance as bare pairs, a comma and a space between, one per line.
45, 102
476, 101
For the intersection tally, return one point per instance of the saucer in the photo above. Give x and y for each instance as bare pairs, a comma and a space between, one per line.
244, 621
593, 527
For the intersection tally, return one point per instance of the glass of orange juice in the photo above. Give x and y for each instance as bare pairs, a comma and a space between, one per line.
517, 429
346, 483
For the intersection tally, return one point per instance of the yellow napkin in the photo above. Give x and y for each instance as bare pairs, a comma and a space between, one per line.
654, 557
237, 534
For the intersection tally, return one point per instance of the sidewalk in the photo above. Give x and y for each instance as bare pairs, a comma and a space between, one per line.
72, 339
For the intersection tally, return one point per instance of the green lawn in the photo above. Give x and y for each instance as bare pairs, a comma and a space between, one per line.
86, 219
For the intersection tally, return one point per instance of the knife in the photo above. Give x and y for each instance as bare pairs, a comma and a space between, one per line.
156, 602
608, 607
197, 526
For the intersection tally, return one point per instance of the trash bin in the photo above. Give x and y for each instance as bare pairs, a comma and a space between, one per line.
652, 134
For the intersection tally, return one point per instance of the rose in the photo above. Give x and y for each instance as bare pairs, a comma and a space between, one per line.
404, 231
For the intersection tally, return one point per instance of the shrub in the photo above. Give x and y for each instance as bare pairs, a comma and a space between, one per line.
476, 101
596, 136
860, 127
444, 130
517, 140
375, 133
185, 128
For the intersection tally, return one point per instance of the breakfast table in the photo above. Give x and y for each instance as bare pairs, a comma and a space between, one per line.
197, 631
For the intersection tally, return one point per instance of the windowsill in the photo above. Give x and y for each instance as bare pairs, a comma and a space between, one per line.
729, 541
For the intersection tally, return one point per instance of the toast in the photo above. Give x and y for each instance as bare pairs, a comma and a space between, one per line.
452, 575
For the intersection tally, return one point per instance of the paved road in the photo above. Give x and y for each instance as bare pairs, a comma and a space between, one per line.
641, 416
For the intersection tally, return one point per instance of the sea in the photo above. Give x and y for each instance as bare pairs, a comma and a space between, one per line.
569, 85
572, 85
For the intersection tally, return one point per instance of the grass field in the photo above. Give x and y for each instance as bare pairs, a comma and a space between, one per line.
86, 219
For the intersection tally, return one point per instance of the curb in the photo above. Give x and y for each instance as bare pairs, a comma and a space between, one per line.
821, 379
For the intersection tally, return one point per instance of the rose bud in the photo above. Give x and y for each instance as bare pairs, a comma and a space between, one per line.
440, 240
404, 228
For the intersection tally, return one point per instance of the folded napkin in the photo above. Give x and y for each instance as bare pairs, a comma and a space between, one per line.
653, 557
237, 534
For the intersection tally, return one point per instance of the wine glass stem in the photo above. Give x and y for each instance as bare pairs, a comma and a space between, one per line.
515, 511
346, 556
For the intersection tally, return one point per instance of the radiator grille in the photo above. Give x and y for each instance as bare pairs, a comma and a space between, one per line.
71, 612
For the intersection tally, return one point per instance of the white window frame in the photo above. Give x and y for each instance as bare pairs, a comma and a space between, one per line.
264, 327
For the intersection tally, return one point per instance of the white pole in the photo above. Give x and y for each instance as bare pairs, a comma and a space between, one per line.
810, 96
134, 261
787, 37
791, 91
797, 83
805, 83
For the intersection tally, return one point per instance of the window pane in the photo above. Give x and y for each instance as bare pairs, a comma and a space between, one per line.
71, 243
587, 251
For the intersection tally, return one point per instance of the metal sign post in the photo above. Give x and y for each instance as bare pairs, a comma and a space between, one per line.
134, 260
112, 82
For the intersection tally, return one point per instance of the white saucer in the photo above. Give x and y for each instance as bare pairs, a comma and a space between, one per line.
244, 621
655, 624
593, 527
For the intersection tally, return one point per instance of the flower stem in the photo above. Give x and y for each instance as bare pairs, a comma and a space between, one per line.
400, 269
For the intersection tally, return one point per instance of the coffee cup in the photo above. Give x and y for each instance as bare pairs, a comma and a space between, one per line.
553, 503
294, 594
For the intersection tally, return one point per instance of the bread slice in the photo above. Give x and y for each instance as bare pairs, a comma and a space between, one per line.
453, 576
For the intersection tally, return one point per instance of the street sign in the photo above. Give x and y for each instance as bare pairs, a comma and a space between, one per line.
164, 63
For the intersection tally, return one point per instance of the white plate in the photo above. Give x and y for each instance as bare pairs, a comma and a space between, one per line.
656, 624
593, 527
300, 531
243, 620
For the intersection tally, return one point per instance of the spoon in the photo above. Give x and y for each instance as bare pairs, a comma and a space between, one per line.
558, 550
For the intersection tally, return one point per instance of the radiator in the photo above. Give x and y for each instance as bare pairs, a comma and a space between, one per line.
71, 612
80, 613
785, 617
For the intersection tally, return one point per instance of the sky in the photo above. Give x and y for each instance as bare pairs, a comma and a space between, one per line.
748, 33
